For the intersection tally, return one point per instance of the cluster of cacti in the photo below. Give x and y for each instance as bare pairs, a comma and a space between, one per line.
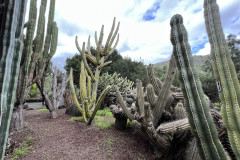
225, 74
37, 53
157, 114
12, 16
89, 80
52, 103
113, 79
202, 125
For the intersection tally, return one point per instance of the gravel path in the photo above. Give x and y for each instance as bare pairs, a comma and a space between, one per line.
58, 139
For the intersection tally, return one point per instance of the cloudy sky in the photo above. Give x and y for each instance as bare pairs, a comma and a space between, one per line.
144, 29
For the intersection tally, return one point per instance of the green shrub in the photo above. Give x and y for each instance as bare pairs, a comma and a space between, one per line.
22, 151
43, 110
34, 92
105, 112
72, 119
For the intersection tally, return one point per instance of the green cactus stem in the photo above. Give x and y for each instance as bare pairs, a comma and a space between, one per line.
164, 92
11, 47
200, 120
180, 111
225, 74
174, 127
157, 84
151, 96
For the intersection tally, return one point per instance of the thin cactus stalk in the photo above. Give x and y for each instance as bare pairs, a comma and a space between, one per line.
200, 120
225, 74
11, 47
164, 92
89, 80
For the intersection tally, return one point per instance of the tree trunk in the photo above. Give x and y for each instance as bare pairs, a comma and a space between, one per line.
17, 122
53, 113
121, 123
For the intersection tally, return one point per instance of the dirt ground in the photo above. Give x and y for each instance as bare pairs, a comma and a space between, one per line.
58, 139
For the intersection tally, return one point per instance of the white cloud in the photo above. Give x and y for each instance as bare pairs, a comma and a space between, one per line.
149, 40
205, 50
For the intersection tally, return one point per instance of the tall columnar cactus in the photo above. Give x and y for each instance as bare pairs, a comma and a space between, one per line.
202, 125
225, 74
88, 90
37, 53
12, 15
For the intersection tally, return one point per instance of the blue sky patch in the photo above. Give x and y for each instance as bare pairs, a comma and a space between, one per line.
150, 13
236, 19
69, 28
198, 48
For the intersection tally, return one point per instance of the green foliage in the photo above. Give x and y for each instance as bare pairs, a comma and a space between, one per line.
103, 119
234, 47
101, 123
43, 110
79, 119
125, 67
75, 63
130, 69
160, 73
105, 112
209, 85
22, 151
34, 92
129, 124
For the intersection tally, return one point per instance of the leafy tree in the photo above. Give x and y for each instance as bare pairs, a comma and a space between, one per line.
234, 46
34, 92
160, 72
126, 67
75, 63
208, 80
130, 69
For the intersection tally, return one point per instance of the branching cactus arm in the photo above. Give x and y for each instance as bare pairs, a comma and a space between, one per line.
164, 92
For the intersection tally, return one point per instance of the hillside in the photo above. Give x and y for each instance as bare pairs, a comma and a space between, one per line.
198, 61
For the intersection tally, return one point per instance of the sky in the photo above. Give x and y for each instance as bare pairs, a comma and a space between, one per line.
144, 25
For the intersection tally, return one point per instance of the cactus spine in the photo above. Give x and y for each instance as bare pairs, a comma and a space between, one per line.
200, 120
225, 74
88, 90
12, 15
